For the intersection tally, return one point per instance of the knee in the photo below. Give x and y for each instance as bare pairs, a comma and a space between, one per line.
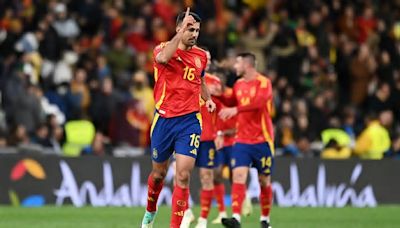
239, 177
206, 179
264, 181
217, 177
158, 175
182, 178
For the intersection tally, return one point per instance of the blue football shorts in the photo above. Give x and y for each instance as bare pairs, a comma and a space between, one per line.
180, 134
253, 155
206, 158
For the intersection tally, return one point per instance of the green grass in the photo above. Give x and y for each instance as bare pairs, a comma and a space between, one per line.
112, 217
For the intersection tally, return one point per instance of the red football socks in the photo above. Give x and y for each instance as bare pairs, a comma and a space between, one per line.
238, 195
153, 191
219, 193
266, 200
180, 202
205, 202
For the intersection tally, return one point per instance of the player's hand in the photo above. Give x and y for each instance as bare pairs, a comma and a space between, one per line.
210, 105
188, 20
219, 142
227, 113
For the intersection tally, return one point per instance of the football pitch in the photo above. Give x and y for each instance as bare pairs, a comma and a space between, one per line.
115, 217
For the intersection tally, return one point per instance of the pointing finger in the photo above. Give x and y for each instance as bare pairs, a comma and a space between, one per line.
187, 12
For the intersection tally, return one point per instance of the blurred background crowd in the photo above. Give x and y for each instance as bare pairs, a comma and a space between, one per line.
76, 76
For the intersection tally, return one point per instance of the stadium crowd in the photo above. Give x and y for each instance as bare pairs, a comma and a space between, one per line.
76, 76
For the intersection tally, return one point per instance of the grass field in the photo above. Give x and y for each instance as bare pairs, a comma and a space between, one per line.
112, 217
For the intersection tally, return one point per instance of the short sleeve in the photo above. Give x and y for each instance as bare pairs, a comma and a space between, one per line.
158, 49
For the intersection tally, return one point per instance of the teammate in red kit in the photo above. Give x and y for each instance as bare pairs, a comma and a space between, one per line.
179, 67
224, 143
252, 103
206, 155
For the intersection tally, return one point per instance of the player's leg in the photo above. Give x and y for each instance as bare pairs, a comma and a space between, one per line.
240, 163
206, 162
155, 183
187, 143
161, 147
206, 195
266, 199
180, 195
219, 187
264, 164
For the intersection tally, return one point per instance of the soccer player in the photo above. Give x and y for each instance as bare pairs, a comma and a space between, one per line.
223, 142
179, 67
206, 155
252, 97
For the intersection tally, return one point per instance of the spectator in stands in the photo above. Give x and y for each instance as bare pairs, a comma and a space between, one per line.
142, 92
381, 100
362, 68
56, 134
98, 147
394, 151
349, 121
41, 136
303, 136
18, 136
336, 143
119, 57
78, 96
105, 102
374, 141
103, 69
334, 151
3, 139
347, 23
66, 26
22, 106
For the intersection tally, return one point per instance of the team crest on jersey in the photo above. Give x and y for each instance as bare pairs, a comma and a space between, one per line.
197, 62
155, 153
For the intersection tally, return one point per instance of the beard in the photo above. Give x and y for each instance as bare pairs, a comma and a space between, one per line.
191, 42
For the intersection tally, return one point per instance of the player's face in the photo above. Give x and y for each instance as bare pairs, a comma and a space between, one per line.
239, 66
191, 34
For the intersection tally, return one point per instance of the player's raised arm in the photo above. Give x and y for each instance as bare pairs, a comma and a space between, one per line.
183, 23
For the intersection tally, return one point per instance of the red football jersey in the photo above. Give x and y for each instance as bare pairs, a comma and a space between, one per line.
254, 102
209, 120
177, 86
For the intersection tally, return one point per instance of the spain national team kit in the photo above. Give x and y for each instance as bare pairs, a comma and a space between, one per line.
224, 154
254, 137
207, 155
177, 121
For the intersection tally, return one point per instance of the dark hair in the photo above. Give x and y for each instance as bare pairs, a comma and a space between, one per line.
249, 56
180, 17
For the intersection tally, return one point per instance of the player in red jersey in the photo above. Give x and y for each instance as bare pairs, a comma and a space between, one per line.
252, 100
179, 67
206, 156
223, 142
